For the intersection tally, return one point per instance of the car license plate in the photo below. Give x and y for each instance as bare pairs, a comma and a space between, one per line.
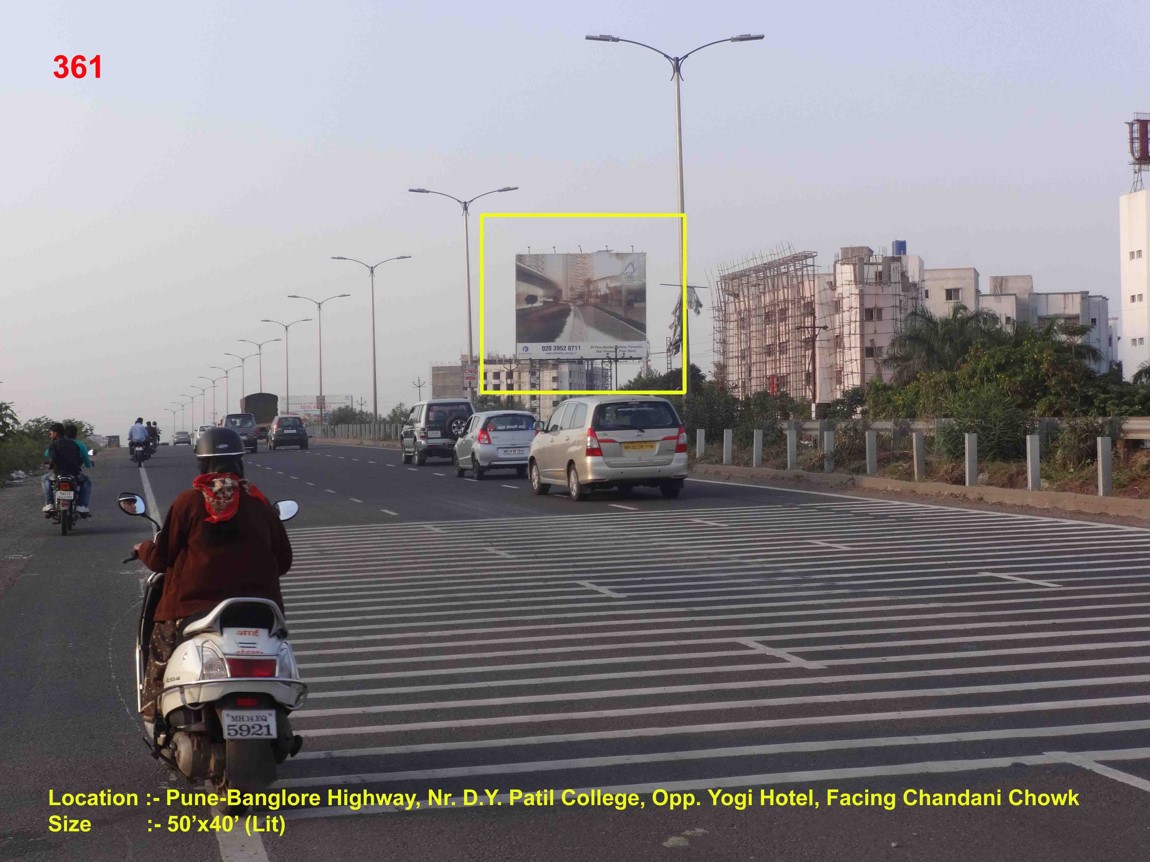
639, 447
248, 723
435, 434
289, 430
511, 453
65, 495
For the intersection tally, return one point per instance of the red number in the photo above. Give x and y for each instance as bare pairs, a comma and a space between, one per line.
79, 70
62, 72
96, 64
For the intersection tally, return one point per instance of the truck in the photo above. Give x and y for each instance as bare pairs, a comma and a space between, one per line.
264, 406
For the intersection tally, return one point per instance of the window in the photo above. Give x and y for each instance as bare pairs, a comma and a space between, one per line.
1094, 321
1131, 297
494, 375
513, 422
782, 315
926, 293
769, 317
769, 349
576, 417
495, 387
868, 314
1009, 320
1138, 254
557, 417
781, 381
868, 352
953, 294
878, 351
838, 377
1132, 255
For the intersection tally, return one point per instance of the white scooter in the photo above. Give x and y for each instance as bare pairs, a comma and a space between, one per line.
228, 686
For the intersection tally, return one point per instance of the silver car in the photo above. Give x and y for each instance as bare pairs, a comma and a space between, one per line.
497, 439
610, 441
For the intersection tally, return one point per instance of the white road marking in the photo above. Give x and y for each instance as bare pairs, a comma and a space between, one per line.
237, 846
1109, 772
433, 529
438, 474
354, 500
329, 490
707, 523
389, 512
621, 506
370, 462
512, 487
1021, 580
149, 497
830, 545
602, 590
311, 483
354, 459
789, 658
413, 469
503, 554
293, 477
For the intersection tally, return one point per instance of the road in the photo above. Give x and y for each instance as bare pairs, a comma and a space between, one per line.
468, 636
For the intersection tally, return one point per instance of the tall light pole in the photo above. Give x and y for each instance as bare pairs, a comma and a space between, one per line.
173, 412
287, 365
260, 352
677, 77
243, 372
203, 404
319, 313
213, 382
227, 384
181, 405
371, 270
467, 253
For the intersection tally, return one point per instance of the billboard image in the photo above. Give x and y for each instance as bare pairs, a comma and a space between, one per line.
581, 306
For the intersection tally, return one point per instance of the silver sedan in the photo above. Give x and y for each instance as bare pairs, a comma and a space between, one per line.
497, 439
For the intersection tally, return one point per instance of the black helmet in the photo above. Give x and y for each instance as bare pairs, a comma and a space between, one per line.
219, 443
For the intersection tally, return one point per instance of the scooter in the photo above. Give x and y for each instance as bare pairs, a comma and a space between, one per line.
228, 686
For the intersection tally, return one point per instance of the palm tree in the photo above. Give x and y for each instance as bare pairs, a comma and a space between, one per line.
929, 343
1142, 375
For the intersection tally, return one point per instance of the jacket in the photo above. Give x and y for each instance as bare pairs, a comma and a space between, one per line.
201, 571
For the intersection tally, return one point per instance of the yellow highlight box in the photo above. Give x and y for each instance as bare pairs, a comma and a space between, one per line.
482, 297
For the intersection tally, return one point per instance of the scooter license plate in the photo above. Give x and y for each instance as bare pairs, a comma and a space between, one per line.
248, 723
65, 495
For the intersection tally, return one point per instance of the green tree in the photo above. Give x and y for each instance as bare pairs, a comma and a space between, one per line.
398, 414
348, 415
929, 343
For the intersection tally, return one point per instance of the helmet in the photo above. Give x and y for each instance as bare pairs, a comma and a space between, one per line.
219, 443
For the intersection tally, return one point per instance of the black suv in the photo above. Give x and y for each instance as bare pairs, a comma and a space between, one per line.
432, 428
243, 424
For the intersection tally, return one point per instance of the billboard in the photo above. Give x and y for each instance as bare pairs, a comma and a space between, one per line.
581, 306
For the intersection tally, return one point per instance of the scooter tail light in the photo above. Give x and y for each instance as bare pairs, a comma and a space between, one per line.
64, 486
257, 667
593, 445
681, 446
247, 702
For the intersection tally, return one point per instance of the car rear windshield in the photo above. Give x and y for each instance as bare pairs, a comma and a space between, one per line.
511, 423
290, 423
240, 422
438, 413
636, 415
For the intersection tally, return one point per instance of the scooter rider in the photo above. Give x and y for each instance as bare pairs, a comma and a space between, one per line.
221, 539
63, 458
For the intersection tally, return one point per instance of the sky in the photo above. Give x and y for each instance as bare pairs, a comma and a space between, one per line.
151, 218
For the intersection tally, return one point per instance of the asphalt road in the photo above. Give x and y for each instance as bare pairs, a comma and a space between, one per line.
471, 639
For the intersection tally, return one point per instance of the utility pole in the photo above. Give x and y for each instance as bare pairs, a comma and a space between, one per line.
419, 383
813, 329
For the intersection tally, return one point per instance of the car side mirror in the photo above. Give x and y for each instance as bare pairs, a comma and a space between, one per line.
286, 509
538, 427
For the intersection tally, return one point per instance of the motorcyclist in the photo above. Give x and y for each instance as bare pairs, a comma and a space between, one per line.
138, 433
153, 436
70, 431
63, 458
221, 539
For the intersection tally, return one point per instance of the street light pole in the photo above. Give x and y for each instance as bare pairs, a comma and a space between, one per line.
466, 205
319, 314
677, 76
173, 412
213, 382
260, 350
227, 384
287, 358
243, 374
203, 404
371, 271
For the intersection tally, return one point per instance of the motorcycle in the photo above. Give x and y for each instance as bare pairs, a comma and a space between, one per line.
139, 452
64, 512
228, 687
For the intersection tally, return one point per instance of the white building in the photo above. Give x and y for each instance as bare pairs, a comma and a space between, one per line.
1134, 257
509, 374
1080, 308
943, 289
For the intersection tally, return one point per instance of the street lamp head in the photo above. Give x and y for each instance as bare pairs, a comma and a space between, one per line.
339, 258
404, 257
602, 38
294, 296
341, 296
420, 191
747, 37
508, 189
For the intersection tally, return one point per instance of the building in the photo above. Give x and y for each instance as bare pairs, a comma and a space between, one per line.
510, 374
1082, 309
943, 289
1134, 256
1009, 298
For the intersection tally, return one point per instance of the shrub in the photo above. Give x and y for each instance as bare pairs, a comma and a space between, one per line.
990, 413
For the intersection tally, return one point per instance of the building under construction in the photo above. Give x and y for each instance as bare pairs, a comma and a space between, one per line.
782, 326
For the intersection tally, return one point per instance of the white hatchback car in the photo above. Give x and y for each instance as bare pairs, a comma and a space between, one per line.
497, 439
610, 441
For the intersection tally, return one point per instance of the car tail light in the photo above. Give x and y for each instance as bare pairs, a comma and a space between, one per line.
593, 444
251, 666
247, 702
422, 433
484, 437
681, 446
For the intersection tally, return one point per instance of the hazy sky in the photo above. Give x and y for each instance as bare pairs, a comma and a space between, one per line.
151, 218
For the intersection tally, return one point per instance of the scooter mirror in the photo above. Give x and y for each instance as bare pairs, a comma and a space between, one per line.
132, 504
287, 509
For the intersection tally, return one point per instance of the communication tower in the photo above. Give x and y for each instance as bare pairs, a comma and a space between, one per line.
1139, 148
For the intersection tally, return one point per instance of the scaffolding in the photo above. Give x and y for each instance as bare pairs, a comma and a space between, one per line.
765, 324
783, 326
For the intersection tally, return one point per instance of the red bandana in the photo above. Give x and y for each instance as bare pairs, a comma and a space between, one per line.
222, 494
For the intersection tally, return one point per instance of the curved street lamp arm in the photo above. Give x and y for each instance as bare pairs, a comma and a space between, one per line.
441, 194
485, 194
